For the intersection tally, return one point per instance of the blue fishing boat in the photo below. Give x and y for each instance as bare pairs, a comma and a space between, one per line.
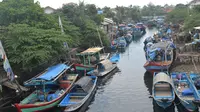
81, 91
195, 78
114, 44
128, 38
159, 57
115, 58
162, 90
121, 43
142, 27
51, 87
137, 32
185, 91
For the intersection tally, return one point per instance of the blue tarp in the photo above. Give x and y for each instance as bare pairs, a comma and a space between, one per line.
152, 53
187, 92
53, 71
169, 31
115, 58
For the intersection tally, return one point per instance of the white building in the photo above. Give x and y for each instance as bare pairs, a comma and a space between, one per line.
49, 10
194, 3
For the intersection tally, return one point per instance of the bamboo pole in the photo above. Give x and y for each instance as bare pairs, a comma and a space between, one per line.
100, 40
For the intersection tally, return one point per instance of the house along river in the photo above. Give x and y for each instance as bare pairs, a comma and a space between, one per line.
129, 88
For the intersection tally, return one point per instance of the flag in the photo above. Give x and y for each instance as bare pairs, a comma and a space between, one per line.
6, 64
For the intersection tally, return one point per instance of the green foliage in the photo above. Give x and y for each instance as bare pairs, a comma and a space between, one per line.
87, 20
153, 10
192, 21
178, 14
30, 46
20, 11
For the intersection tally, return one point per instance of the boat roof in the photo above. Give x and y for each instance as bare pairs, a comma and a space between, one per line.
92, 50
106, 63
161, 45
85, 83
162, 77
52, 72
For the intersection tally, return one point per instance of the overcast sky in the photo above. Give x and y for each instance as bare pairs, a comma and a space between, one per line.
110, 3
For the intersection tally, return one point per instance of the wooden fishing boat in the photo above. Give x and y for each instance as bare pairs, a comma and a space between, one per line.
185, 91
137, 32
128, 38
81, 91
51, 87
195, 78
121, 43
103, 68
162, 90
159, 57
89, 58
114, 44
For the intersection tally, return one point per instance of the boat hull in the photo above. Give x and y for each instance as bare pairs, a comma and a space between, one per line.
190, 106
154, 67
38, 108
81, 103
164, 105
79, 67
102, 74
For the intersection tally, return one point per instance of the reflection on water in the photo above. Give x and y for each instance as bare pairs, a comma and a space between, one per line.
129, 89
148, 80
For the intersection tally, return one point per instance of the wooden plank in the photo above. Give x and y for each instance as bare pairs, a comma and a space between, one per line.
14, 86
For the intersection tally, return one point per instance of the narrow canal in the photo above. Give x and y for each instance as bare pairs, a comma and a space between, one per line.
128, 89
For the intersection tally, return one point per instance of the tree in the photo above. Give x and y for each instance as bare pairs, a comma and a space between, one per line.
178, 14
87, 21
29, 46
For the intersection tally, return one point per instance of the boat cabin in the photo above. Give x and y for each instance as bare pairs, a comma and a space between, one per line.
50, 84
90, 56
159, 52
49, 76
163, 86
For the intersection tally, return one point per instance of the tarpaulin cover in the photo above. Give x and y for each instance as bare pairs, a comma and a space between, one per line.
187, 92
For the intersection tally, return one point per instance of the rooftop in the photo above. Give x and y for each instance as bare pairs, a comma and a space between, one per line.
92, 50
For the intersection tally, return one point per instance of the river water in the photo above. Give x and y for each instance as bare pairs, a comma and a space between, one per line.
129, 89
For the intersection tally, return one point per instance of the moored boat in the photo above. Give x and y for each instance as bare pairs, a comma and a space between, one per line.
121, 42
103, 68
89, 58
81, 91
162, 90
195, 78
51, 87
159, 57
185, 90
128, 38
